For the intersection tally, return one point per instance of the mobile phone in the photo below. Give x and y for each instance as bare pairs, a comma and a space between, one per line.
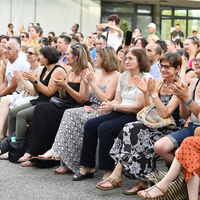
128, 38
88, 109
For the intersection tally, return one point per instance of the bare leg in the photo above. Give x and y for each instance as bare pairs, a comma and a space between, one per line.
116, 175
173, 172
193, 187
4, 109
164, 148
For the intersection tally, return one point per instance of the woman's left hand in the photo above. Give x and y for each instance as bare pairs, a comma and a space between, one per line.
105, 107
151, 86
18, 74
142, 85
89, 75
30, 76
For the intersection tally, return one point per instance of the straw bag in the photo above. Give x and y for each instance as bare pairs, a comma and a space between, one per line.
150, 117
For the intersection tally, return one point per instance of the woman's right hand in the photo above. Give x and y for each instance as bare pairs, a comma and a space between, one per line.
142, 85
60, 82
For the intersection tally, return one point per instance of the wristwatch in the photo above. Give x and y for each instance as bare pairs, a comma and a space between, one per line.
154, 95
35, 82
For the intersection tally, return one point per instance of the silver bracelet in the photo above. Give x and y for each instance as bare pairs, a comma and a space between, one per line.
115, 107
63, 88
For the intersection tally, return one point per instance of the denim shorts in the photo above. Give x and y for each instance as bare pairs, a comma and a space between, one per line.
178, 136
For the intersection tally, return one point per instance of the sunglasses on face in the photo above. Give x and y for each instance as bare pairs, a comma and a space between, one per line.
89, 37
22, 36
30, 53
11, 27
196, 60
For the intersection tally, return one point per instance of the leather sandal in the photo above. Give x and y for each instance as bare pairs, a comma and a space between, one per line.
57, 171
148, 196
26, 158
138, 186
80, 176
54, 157
112, 181
29, 164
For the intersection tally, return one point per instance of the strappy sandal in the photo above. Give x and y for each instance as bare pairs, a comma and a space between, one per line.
112, 181
148, 196
29, 164
54, 157
138, 186
26, 158
4, 156
56, 171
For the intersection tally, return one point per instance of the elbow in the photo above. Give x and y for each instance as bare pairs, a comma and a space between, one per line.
81, 101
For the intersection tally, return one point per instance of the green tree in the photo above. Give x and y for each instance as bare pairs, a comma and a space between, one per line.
123, 25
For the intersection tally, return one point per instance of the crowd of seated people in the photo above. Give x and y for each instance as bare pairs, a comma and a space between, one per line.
103, 84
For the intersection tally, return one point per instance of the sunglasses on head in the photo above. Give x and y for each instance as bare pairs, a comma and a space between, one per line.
29, 53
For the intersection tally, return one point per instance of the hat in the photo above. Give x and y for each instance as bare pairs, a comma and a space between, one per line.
151, 25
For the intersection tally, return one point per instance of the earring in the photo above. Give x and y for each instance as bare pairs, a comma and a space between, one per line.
75, 62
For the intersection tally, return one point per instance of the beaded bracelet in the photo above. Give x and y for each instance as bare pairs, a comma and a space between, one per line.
63, 88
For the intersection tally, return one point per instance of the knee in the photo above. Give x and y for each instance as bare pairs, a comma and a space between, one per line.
162, 146
104, 131
5, 101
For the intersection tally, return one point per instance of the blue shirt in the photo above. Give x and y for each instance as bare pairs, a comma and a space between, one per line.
155, 71
93, 54
64, 59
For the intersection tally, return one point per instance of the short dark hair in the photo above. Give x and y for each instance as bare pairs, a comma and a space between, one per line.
177, 24
158, 50
66, 38
74, 37
6, 37
37, 29
172, 42
51, 32
178, 42
10, 24
139, 30
17, 39
114, 18
77, 26
44, 41
142, 58
51, 53
183, 52
101, 36
119, 49
27, 35
194, 31
162, 44
174, 58
143, 40
80, 34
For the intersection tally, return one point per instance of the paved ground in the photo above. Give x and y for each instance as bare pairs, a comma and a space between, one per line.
31, 183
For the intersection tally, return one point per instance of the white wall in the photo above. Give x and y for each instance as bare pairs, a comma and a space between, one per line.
53, 15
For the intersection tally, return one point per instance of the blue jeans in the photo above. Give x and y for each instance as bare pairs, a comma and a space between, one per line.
178, 136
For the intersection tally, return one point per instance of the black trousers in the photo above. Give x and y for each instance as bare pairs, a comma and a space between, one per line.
106, 128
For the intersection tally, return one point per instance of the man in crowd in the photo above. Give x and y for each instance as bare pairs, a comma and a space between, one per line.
177, 34
35, 33
163, 45
80, 36
152, 29
194, 32
62, 45
15, 63
171, 45
154, 52
100, 42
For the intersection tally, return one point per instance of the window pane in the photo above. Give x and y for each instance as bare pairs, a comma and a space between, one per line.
193, 24
117, 7
142, 23
144, 9
182, 23
166, 10
180, 12
193, 13
166, 24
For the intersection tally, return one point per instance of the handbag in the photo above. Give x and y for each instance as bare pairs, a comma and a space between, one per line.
25, 93
177, 189
150, 117
4, 143
16, 149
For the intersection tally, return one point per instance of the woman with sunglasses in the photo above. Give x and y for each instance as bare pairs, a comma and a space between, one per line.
42, 135
133, 149
191, 45
127, 102
189, 108
97, 87
24, 37
10, 31
26, 89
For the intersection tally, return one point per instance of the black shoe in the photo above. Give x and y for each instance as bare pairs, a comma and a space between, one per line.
82, 177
